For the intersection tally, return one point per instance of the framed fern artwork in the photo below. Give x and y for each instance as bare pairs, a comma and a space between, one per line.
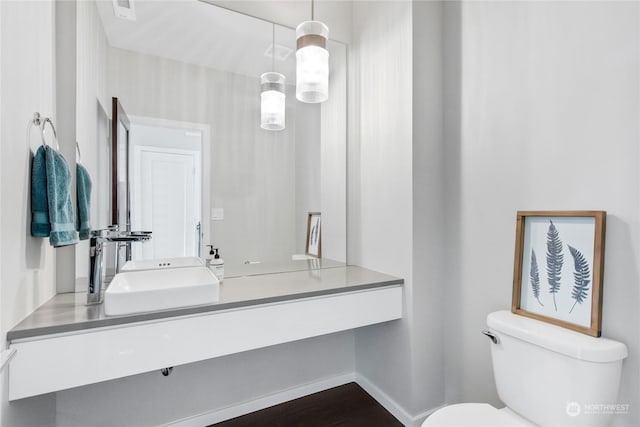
558, 268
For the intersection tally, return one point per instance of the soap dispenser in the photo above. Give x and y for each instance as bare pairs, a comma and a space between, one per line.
216, 264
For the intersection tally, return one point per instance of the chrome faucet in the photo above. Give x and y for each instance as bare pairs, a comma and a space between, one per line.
96, 248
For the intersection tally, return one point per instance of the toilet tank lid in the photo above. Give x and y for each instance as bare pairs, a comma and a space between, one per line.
555, 338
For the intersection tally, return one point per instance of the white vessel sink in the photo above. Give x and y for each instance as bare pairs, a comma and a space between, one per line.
160, 289
157, 263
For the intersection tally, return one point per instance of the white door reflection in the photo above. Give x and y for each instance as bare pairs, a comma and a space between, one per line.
166, 198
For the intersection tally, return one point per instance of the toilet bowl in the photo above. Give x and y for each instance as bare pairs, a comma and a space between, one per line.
544, 374
475, 414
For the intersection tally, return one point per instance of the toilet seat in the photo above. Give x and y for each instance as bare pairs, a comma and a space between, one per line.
476, 415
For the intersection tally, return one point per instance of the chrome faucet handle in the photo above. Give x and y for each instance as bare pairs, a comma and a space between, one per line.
102, 232
493, 337
97, 233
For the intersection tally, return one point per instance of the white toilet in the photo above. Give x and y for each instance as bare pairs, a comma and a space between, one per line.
546, 375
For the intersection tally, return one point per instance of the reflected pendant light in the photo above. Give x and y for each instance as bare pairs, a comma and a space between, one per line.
272, 95
312, 61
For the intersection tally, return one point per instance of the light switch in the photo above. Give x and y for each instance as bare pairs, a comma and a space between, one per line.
217, 214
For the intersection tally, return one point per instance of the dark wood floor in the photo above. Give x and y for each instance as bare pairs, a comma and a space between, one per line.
346, 405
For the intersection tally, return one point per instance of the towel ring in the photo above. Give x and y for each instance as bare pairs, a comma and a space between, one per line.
78, 155
40, 122
53, 128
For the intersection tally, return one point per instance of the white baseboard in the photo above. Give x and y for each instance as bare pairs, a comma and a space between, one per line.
286, 395
229, 412
391, 405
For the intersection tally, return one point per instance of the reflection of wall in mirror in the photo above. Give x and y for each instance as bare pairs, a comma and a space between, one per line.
253, 172
92, 123
265, 181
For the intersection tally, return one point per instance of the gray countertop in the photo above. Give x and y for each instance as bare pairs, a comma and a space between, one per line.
69, 313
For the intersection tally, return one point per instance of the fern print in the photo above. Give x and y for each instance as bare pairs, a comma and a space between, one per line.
534, 277
581, 277
554, 261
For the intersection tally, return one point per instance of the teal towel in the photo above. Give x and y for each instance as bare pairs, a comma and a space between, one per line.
39, 204
83, 193
63, 230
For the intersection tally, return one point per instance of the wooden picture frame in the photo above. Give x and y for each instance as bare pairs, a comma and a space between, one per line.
314, 235
558, 268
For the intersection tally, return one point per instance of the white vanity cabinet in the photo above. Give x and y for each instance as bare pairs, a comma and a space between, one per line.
253, 312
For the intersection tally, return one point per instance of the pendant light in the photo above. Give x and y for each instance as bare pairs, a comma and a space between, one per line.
272, 96
312, 61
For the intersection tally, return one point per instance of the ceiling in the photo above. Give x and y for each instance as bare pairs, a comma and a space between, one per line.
200, 33
337, 14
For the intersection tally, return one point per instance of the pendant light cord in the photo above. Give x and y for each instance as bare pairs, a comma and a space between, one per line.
273, 47
312, 10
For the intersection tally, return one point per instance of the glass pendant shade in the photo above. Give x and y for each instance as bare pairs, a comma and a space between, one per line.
312, 62
272, 101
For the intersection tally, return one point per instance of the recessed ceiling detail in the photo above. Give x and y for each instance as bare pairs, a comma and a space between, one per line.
279, 52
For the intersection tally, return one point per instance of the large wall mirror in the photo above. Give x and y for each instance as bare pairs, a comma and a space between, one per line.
201, 170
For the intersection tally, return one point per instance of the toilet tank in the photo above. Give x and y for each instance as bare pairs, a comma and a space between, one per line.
554, 376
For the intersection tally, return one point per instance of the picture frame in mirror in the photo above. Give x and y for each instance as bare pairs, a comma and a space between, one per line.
314, 235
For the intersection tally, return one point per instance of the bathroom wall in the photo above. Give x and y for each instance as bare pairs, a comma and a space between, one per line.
380, 182
395, 188
1, 56
27, 265
543, 115
521, 80
333, 152
91, 94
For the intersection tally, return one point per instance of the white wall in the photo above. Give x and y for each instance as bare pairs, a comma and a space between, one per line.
91, 94
381, 190
545, 116
380, 182
395, 189
27, 265
308, 173
429, 214
65, 119
333, 157
1, 215
517, 86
